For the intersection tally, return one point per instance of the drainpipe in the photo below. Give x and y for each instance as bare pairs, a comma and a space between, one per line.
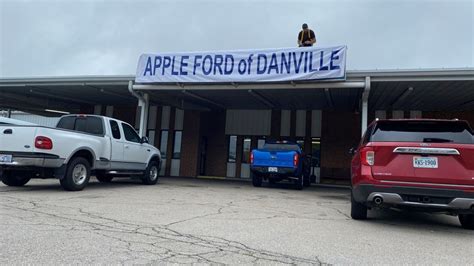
143, 103
365, 105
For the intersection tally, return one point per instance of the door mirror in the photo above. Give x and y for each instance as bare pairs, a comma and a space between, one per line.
144, 140
352, 151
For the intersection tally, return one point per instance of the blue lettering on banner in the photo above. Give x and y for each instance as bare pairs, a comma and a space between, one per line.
218, 60
209, 70
148, 67
334, 56
321, 58
273, 64
166, 64
228, 62
196, 63
286, 63
261, 71
184, 64
269, 65
297, 64
173, 72
242, 67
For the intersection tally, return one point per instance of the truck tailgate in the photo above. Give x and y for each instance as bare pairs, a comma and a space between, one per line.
273, 158
17, 138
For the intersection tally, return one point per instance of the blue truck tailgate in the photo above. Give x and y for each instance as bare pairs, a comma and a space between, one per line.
273, 158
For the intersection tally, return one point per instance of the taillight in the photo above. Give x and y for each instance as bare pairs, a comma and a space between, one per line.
296, 159
367, 156
251, 157
44, 143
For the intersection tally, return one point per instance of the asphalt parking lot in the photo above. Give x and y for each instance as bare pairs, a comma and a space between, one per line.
214, 221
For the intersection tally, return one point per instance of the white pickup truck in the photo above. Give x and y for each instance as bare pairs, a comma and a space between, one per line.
79, 145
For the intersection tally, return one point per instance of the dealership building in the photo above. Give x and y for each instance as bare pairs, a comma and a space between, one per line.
207, 129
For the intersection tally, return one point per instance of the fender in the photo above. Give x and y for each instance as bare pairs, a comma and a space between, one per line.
80, 149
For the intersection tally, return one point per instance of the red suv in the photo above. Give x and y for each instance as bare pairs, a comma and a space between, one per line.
423, 164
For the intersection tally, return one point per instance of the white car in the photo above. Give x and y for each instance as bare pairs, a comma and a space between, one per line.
79, 145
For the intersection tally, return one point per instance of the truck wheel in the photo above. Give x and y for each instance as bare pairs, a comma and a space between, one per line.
151, 173
306, 181
299, 183
467, 221
256, 180
358, 210
77, 175
103, 178
15, 179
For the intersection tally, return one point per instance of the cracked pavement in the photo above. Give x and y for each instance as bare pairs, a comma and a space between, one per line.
188, 221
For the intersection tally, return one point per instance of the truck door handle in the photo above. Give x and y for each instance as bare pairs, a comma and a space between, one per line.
8, 131
126, 146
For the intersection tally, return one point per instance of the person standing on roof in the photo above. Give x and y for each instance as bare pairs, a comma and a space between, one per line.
306, 37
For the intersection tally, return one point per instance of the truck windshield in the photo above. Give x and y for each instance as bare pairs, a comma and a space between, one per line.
281, 147
423, 131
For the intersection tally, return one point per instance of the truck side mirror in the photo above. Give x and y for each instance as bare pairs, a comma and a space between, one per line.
144, 140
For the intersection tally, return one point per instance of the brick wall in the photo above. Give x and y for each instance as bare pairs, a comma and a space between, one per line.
190, 144
125, 113
469, 116
340, 131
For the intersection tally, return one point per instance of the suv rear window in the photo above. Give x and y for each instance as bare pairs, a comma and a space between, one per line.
423, 131
281, 147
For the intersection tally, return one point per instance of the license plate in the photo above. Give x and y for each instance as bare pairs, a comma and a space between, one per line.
273, 169
5, 158
425, 162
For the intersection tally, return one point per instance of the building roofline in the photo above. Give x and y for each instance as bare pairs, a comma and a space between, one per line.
378, 75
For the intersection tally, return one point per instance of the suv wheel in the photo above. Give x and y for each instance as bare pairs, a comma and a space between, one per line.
77, 175
256, 180
467, 221
358, 210
15, 179
151, 173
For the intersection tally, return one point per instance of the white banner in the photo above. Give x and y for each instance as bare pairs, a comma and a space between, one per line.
285, 64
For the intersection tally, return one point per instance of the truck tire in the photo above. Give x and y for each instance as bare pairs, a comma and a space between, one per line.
299, 183
467, 221
306, 181
15, 179
151, 173
358, 210
256, 180
77, 175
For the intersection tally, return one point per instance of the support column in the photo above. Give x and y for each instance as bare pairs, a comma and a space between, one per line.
145, 106
365, 105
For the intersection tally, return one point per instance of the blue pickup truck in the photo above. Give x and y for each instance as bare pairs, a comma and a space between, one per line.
278, 161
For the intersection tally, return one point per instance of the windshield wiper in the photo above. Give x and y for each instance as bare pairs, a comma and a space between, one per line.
440, 140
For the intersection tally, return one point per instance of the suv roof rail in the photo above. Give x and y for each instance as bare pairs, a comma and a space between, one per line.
455, 119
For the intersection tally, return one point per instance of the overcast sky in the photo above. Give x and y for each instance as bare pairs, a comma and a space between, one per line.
51, 38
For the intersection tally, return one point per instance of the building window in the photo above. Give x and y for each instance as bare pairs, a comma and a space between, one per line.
232, 156
301, 143
164, 143
246, 150
177, 144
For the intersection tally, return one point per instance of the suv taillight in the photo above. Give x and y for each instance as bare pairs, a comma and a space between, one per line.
367, 156
251, 157
296, 159
44, 143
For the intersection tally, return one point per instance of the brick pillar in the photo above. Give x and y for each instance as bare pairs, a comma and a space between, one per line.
190, 144
293, 125
307, 138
